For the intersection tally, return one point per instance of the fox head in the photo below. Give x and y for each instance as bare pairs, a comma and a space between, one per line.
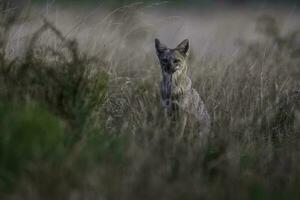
172, 60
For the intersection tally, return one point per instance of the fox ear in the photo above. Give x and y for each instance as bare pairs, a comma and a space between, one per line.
160, 48
184, 47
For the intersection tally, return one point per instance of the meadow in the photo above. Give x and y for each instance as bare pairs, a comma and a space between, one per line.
80, 114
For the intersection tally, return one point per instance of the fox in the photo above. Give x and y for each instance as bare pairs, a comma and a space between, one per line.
180, 101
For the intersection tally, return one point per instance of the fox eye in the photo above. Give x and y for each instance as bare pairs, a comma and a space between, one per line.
176, 61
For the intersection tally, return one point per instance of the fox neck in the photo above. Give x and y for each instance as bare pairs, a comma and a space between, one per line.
175, 85
179, 77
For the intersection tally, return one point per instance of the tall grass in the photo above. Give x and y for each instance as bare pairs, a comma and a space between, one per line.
77, 126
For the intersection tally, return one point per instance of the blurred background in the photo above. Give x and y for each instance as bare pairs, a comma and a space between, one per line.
206, 22
185, 3
174, 3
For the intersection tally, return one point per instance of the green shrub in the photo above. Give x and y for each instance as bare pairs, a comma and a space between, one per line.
28, 133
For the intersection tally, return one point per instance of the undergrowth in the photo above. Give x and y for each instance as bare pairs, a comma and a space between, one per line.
71, 129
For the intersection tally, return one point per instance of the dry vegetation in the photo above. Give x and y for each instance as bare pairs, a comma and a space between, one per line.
80, 119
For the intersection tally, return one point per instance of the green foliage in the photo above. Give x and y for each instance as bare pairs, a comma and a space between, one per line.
257, 192
28, 133
50, 111
99, 148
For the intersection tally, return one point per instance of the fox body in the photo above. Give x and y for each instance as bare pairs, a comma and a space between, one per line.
178, 97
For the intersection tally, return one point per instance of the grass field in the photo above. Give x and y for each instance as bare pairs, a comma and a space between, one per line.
80, 114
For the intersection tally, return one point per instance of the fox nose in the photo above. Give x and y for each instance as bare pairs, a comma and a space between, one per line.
170, 68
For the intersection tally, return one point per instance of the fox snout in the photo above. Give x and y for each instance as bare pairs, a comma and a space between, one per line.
170, 69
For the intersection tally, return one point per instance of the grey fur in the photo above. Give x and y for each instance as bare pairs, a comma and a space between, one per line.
178, 97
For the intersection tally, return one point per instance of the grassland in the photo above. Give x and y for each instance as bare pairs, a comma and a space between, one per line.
80, 115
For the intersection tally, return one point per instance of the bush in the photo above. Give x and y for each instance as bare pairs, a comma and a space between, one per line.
28, 133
